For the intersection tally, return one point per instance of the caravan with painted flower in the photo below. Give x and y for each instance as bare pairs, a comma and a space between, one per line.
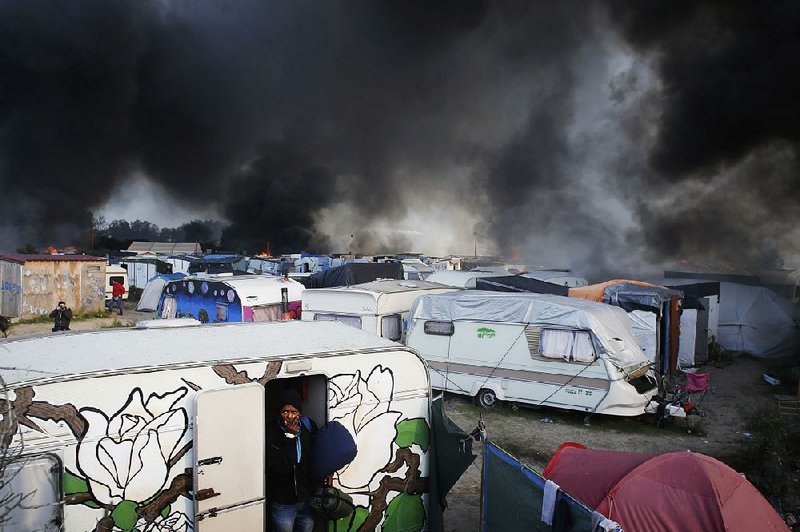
163, 429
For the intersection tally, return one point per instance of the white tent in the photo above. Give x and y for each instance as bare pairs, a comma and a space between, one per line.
148, 301
755, 320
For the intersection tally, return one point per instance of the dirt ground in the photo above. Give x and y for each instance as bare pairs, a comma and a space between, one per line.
737, 389
130, 316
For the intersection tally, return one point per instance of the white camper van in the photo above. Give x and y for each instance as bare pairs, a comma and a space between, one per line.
116, 273
164, 428
378, 307
534, 349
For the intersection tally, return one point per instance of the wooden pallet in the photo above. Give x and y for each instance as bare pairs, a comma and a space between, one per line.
788, 405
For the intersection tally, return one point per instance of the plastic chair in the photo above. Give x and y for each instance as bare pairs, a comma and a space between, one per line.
696, 384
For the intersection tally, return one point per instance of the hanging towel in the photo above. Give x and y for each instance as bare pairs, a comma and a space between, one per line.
549, 501
601, 523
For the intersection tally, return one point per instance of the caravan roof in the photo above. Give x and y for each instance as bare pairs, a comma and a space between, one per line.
254, 289
460, 278
610, 324
373, 295
59, 356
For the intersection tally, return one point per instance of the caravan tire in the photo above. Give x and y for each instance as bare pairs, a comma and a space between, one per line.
486, 398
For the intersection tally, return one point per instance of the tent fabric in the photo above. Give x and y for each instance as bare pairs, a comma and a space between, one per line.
148, 301
354, 273
672, 491
645, 327
518, 283
688, 339
754, 320
630, 295
609, 324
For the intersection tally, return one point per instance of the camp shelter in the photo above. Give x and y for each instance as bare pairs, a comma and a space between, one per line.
699, 317
151, 295
379, 307
535, 349
654, 312
462, 278
354, 273
754, 320
519, 283
217, 263
663, 492
229, 298
32, 284
416, 270
165, 248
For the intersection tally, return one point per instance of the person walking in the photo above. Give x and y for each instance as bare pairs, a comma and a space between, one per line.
289, 483
117, 291
61, 317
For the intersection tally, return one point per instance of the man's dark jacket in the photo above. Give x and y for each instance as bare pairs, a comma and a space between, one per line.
287, 481
61, 318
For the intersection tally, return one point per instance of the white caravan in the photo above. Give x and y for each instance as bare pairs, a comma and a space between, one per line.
164, 428
116, 273
378, 307
535, 349
461, 278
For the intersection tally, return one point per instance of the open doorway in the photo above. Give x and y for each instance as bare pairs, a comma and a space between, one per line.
313, 389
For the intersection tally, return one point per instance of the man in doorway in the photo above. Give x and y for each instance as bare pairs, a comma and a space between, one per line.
117, 291
289, 483
61, 317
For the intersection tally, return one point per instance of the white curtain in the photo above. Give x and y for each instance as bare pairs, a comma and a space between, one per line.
390, 327
267, 313
556, 344
574, 346
352, 321
170, 308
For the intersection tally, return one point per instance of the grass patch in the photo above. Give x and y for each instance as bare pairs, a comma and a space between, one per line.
770, 459
116, 323
81, 316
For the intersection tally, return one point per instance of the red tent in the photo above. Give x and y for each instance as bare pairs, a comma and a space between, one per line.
651, 492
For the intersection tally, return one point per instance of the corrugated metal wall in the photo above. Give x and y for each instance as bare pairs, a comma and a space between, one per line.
10, 289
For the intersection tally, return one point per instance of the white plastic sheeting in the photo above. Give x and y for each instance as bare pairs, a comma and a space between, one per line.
610, 324
645, 330
755, 320
688, 341
148, 302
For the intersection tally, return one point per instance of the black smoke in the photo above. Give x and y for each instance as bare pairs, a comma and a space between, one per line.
603, 136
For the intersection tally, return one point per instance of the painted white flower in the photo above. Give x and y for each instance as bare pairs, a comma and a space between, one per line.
174, 522
126, 457
362, 406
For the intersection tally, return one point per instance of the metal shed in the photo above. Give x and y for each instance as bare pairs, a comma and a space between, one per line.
32, 285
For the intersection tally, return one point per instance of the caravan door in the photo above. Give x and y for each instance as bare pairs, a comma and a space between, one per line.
229, 439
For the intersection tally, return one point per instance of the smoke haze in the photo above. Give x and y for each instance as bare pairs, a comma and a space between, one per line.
608, 137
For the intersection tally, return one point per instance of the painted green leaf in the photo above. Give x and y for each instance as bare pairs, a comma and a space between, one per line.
167, 509
410, 431
349, 523
74, 484
405, 513
124, 515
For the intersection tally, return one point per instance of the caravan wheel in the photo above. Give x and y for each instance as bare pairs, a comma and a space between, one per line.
486, 398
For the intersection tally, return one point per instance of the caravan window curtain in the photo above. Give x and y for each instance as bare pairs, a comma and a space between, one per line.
556, 344
169, 308
267, 313
352, 321
570, 346
390, 327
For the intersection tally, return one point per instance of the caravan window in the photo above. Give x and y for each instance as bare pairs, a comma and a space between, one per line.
352, 321
30, 495
116, 278
568, 346
440, 328
390, 327
267, 313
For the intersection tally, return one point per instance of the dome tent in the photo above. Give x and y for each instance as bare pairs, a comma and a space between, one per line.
662, 492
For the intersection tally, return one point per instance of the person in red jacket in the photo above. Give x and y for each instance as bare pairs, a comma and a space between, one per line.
117, 291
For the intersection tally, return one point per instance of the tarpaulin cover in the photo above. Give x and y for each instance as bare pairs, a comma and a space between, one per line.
672, 491
645, 330
610, 324
151, 295
517, 283
755, 320
354, 273
512, 496
630, 295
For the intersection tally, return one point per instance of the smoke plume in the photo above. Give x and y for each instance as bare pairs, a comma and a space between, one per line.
608, 137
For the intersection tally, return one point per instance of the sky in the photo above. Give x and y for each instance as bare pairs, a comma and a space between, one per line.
610, 137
